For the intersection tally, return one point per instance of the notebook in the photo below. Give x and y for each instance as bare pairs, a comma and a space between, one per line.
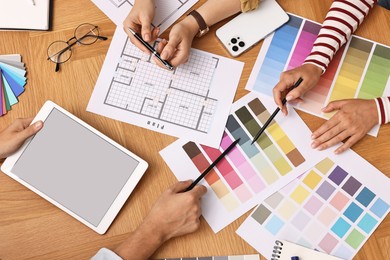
25, 15
284, 250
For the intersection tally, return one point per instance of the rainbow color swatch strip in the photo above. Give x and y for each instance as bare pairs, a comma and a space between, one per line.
235, 257
328, 208
253, 167
361, 69
249, 173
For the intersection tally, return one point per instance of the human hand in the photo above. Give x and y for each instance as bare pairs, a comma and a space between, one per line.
140, 20
13, 137
175, 212
177, 49
353, 120
308, 72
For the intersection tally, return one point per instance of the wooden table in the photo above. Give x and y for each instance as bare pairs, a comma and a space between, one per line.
32, 228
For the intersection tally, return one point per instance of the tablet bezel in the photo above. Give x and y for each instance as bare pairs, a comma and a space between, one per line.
119, 201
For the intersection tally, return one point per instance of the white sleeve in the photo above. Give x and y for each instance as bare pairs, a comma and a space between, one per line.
106, 254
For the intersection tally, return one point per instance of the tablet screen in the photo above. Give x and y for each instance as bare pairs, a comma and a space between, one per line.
75, 167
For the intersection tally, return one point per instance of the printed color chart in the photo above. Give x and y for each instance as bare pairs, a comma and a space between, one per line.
235, 257
361, 69
333, 208
249, 173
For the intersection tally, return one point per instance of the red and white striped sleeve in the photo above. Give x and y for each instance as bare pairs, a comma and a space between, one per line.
383, 106
343, 18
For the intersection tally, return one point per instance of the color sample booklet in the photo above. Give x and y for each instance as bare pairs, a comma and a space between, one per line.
334, 207
361, 69
249, 173
12, 81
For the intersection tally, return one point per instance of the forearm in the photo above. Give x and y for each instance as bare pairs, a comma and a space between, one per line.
214, 11
140, 245
383, 107
343, 18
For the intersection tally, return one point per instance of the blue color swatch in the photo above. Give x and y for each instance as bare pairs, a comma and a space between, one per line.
276, 58
353, 212
379, 208
367, 223
340, 227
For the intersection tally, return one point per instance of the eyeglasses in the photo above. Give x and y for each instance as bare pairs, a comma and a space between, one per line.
60, 51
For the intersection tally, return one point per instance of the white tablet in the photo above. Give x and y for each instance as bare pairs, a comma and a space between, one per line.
77, 168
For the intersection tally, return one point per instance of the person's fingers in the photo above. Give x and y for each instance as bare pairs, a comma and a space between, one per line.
351, 141
146, 31
20, 124
199, 191
334, 105
161, 45
300, 90
325, 127
30, 131
180, 186
334, 140
170, 48
155, 33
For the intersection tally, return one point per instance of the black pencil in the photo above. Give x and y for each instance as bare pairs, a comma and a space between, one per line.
212, 165
299, 81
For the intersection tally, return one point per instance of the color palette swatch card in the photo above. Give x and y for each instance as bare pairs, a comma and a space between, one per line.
361, 69
333, 208
12, 81
249, 173
235, 257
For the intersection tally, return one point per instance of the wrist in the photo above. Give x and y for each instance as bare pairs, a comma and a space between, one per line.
191, 24
313, 69
142, 243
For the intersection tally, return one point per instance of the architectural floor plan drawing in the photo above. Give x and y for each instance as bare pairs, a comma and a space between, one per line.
180, 97
192, 101
167, 12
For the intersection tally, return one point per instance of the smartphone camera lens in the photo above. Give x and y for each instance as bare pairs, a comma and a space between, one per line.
233, 40
241, 44
235, 48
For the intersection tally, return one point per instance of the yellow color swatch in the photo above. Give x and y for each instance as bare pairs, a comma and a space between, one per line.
300, 194
285, 144
312, 179
325, 165
230, 202
219, 189
287, 209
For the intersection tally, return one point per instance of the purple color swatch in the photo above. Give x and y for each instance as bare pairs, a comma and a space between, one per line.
338, 175
351, 186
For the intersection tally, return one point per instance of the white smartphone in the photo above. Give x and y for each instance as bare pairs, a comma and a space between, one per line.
247, 29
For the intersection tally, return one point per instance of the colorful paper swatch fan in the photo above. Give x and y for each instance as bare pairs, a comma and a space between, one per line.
12, 81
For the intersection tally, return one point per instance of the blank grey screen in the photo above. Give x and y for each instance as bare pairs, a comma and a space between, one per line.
75, 167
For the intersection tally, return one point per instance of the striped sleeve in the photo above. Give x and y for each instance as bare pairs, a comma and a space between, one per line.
383, 106
343, 18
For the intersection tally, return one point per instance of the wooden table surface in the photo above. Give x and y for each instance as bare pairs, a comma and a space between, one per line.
32, 228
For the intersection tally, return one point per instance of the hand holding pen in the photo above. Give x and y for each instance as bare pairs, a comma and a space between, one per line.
151, 49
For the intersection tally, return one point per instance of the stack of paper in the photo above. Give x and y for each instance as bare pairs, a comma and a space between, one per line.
12, 81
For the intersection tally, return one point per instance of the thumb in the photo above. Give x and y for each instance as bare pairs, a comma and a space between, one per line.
181, 186
334, 105
30, 131
170, 48
145, 29
299, 91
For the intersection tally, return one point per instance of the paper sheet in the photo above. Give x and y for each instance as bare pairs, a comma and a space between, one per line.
361, 69
167, 12
193, 101
249, 173
333, 207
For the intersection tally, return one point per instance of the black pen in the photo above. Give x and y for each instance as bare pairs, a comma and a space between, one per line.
299, 81
151, 49
211, 166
